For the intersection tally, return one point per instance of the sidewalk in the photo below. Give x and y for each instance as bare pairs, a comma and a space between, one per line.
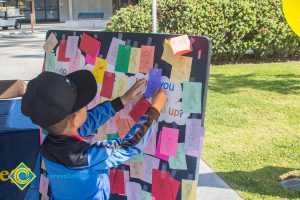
22, 58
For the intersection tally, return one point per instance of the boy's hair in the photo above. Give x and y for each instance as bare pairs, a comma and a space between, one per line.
59, 127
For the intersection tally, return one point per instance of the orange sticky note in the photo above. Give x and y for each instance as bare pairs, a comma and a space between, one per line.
181, 45
147, 58
50, 43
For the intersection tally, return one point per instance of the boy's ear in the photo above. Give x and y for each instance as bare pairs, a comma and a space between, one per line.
74, 119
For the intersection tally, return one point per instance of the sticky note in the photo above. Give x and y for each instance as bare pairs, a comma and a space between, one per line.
108, 127
99, 69
181, 69
137, 158
96, 100
124, 113
191, 99
44, 197
188, 189
62, 51
175, 184
44, 183
161, 185
50, 62
131, 122
117, 183
181, 45
136, 170
146, 195
139, 109
157, 153
99, 136
120, 86
178, 162
92, 59
112, 136
74, 62
169, 141
150, 148
168, 54
134, 60
71, 49
122, 126
153, 82
43, 166
194, 135
133, 191
108, 84
50, 43
147, 58
113, 52
150, 163
122, 61
89, 45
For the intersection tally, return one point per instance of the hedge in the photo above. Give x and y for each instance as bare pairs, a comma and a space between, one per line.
234, 26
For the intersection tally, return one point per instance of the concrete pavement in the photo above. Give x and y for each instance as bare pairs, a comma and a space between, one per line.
22, 58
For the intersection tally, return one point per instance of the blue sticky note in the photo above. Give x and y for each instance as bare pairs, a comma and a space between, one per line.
153, 82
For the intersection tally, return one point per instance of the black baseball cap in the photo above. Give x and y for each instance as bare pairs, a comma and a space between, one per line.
50, 97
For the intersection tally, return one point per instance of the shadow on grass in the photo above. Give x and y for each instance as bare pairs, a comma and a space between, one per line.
283, 84
262, 181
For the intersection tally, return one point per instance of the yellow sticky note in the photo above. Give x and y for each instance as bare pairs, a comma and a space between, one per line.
121, 86
136, 170
168, 54
188, 190
99, 69
103, 99
181, 69
134, 61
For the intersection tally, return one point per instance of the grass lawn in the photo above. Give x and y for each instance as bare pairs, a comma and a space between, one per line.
253, 127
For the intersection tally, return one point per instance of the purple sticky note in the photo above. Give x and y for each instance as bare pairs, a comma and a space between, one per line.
90, 59
194, 135
153, 82
157, 153
113, 52
72, 46
133, 190
150, 148
44, 183
169, 141
74, 62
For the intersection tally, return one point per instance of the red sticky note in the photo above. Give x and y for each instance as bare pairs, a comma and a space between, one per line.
175, 184
157, 153
117, 183
181, 45
169, 141
147, 58
161, 185
89, 45
139, 109
108, 85
62, 51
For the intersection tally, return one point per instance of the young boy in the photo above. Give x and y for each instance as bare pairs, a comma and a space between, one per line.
78, 169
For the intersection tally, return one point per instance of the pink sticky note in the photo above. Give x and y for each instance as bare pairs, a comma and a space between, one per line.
124, 113
72, 43
95, 101
150, 163
113, 52
44, 183
74, 62
150, 148
92, 59
181, 45
157, 153
169, 141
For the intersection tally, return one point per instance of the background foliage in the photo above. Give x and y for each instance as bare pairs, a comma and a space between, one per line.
234, 26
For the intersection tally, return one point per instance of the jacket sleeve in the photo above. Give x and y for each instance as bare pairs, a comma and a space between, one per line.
99, 115
106, 154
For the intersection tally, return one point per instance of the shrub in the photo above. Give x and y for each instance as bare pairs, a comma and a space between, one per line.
234, 26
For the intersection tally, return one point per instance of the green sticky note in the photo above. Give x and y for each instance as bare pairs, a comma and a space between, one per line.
112, 136
50, 62
146, 195
44, 132
123, 58
137, 158
178, 162
191, 100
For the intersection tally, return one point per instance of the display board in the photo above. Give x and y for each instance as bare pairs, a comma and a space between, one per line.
168, 167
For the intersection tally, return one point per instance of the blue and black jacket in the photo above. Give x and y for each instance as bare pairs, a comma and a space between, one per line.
78, 169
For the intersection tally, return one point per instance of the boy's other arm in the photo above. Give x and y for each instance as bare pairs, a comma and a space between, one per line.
99, 115
106, 154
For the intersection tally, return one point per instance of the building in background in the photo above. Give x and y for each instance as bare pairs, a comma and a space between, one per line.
64, 10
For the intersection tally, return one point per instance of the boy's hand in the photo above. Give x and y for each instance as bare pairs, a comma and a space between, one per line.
159, 100
134, 92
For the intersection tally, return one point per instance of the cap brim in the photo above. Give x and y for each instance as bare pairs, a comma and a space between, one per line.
86, 88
